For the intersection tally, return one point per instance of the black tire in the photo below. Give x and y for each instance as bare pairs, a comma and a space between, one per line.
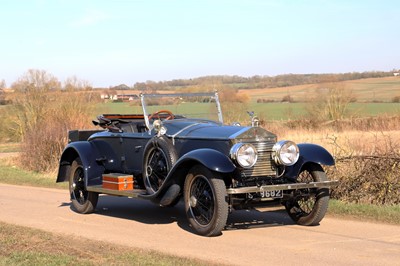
309, 207
159, 157
205, 201
82, 200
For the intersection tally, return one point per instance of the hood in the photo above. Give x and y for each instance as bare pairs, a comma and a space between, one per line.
200, 129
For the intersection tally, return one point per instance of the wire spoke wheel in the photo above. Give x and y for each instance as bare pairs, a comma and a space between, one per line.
157, 169
201, 201
305, 203
308, 206
205, 201
159, 158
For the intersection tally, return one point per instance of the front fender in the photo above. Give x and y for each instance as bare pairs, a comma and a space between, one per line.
88, 154
212, 159
309, 153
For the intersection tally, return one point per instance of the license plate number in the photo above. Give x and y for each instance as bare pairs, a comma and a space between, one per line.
272, 194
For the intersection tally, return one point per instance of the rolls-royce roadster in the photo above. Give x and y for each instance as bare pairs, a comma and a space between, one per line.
178, 147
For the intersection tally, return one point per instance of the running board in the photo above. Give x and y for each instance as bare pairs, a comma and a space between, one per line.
126, 193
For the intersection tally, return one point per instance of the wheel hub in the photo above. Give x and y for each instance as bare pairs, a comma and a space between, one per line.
193, 201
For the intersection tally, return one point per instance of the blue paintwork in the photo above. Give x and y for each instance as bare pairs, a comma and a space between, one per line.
88, 154
309, 153
212, 159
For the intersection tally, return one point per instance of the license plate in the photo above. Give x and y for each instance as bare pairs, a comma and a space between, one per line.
274, 194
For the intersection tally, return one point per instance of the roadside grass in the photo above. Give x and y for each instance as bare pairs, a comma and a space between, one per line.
10, 147
12, 174
365, 212
26, 246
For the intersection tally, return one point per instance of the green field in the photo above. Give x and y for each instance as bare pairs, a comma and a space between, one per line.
373, 97
268, 111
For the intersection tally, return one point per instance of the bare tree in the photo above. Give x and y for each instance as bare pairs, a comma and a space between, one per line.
34, 81
2, 87
73, 83
30, 99
330, 102
2, 84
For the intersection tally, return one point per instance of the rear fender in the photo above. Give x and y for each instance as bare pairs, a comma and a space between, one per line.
309, 153
88, 154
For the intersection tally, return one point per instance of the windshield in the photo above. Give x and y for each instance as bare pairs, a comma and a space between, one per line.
191, 105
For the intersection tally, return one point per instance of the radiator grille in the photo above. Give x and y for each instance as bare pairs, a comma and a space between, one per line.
264, 166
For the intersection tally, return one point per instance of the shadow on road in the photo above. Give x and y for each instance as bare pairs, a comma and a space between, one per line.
149, 213
256, 218
65, 204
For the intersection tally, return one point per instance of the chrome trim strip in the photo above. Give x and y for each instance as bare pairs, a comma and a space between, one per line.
240, 132
180, 131
294, 186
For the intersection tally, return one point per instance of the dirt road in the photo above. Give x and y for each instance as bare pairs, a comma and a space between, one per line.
257, 237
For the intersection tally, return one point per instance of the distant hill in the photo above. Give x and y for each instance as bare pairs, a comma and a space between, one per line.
256, 82
382, 89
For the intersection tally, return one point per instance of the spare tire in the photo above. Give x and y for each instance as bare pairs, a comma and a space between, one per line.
159, 157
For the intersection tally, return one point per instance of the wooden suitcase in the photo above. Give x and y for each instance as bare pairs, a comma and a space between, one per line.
118, 181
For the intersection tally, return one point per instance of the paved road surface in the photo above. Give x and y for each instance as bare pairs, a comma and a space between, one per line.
257, 237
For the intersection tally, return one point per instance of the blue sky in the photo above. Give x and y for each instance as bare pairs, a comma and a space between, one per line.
126, 41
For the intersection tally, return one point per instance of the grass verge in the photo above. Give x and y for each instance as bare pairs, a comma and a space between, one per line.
11, 174
10, 147
26, 246
365, 212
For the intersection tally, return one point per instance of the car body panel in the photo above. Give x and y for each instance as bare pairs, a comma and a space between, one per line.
88, 154
309, 153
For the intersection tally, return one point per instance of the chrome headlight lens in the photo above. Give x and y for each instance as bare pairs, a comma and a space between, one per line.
285, 152
245, 155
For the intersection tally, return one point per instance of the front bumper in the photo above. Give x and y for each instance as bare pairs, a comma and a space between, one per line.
294, 186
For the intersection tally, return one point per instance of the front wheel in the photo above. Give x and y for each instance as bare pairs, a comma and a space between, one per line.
308, 206
82, 200
205, 201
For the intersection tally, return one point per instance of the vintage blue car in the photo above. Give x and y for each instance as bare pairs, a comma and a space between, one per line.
179, 147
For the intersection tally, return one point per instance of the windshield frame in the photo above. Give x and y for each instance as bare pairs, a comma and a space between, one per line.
211, 95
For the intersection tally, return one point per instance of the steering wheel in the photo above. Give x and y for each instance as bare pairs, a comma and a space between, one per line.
169, 115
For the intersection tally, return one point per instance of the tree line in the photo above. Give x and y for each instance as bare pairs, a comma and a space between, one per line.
32, 78
257, 81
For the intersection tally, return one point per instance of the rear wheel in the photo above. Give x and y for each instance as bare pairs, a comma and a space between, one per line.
82, 200
308, 206
205, 201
